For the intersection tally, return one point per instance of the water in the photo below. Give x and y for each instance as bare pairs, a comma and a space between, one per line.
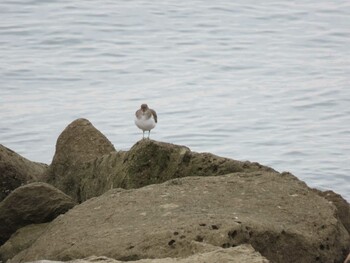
265, 82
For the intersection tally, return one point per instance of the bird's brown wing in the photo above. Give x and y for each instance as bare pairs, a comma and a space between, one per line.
154, 115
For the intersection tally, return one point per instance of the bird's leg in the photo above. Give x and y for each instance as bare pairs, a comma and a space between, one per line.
143, 134
149, 132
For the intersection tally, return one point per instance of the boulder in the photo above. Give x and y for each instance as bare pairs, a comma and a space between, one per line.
16, 170
31, 204
343, 207
278, 215
150, 162
147, 162
239, 254
21, 239
78, 144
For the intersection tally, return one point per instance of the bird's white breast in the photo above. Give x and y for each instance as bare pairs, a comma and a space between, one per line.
145, 124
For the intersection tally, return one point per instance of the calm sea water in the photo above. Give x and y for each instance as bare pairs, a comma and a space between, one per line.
266, 82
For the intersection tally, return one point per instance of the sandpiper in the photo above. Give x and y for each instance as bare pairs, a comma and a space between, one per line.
145, 119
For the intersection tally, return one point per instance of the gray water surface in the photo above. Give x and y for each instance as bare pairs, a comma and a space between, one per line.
265, 82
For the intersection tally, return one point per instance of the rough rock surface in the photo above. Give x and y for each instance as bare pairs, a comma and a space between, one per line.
239, 254
16, 170
277, 214
31, 204
78, 144
343, 207
147, 162
22, 239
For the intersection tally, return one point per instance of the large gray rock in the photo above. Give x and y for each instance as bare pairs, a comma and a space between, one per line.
31, 204
276, 213
16, 170
78, 144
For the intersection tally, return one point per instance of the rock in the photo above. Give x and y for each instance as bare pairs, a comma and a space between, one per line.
239, 254
78, 144
278, 215
147, 162
16, 170
343, 207
150, 162
22, 239
31, 204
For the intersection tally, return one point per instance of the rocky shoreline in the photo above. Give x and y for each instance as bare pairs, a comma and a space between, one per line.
160, 202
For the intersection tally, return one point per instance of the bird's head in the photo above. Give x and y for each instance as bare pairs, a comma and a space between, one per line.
144, 107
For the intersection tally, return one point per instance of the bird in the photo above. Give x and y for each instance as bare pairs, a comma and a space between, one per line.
145, 119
